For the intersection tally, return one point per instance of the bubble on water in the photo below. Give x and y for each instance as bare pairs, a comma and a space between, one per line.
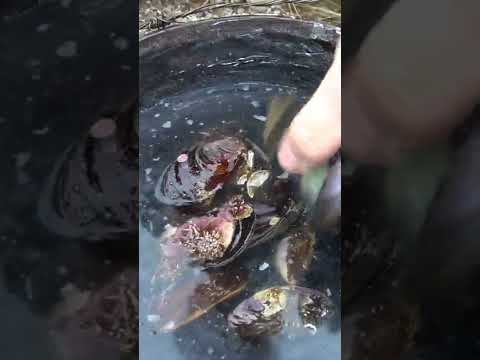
260, 117
167, 125
246, 87
67, 49
312, 329
210, 351
121, 43
22, 158
41, 131
156, 115
264, 266
255, 104
43, 27
190, 122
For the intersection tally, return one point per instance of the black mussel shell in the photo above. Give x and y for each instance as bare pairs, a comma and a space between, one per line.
92, 192
273, 310
193, 297
197, 174
294, 255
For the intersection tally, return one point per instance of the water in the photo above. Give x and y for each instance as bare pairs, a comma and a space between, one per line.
235, 108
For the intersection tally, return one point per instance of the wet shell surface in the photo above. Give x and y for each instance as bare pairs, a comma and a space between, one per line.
273, 310
196, 175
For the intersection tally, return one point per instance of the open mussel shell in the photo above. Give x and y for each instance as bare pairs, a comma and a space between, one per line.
213, 240
196, 175
294, 255
193, 297
271, 311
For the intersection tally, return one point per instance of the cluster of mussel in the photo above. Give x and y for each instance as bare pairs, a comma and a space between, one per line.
227, 201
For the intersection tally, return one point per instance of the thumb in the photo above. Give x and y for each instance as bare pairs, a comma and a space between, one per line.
315, 133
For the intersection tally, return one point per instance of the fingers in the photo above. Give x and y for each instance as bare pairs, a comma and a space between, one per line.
315, 133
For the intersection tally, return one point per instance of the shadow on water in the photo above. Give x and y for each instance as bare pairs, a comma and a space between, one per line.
221, 76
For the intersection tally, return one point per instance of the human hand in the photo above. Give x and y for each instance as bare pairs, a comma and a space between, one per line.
407, 86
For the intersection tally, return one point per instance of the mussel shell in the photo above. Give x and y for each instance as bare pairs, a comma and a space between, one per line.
197, 174
92, 192
273, 310
294, 255
241, 242
193, 297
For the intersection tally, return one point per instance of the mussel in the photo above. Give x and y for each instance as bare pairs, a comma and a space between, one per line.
270, 311
193, 297
197, 174
294, 255
92, 192
212, 240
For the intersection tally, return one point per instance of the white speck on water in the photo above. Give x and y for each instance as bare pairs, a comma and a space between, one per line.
268, 89
167, 125
67, 49
121, 43
211, 91
156, 115
312, 329
255, 104
166, 105
245, 87
148, 171
153, 318
175, 137
156, 158
22, 158
264, 266
210, 351
192, 132
165, 218
329, 292
201, 124
41, 131
43, 27
223, 121
190, 122
260, 118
